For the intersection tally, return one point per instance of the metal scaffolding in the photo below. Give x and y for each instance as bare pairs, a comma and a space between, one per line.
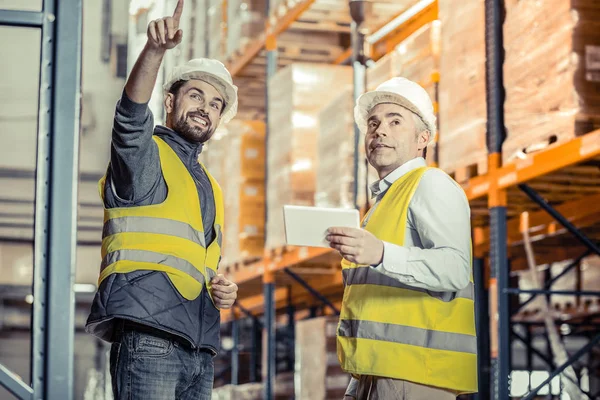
55, 199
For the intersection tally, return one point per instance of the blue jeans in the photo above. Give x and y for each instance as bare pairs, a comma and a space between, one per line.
154, 367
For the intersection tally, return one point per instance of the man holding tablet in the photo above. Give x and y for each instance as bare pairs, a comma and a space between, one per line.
407, 324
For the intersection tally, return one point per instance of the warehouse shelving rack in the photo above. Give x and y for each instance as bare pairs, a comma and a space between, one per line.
499, 199
55, 199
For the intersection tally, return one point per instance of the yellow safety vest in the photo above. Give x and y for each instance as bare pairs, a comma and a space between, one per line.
167, 237
388, 329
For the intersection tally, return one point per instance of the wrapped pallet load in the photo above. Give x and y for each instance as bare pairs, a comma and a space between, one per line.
335, 169
462, 148
380, 72
216, 43
297, 93
418, 58
245, 22
237, 161
318, 374
551, 73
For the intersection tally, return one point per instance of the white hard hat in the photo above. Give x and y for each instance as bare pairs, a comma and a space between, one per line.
210, 71
403, 92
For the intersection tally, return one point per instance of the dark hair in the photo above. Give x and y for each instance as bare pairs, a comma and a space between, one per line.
174, 89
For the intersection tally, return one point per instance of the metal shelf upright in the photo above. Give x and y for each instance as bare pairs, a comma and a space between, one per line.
55, 222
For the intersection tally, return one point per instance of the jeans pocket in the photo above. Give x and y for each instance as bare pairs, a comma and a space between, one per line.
146, 345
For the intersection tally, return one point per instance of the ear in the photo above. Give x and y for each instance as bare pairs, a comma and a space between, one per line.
169, 102
423, 139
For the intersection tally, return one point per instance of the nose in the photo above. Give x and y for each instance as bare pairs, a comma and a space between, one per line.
380, 131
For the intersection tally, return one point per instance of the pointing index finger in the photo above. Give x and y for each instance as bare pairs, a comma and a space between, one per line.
178, 11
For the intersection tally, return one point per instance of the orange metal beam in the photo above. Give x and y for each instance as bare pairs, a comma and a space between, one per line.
291, 16
251, 51
292, 257
347, 53
535, 165
235, 66
395, 37
388, 43
255, 304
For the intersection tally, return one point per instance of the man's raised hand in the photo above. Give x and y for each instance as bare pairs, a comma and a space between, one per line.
164, 33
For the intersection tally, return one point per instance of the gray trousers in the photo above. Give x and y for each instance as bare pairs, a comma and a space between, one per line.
374, 388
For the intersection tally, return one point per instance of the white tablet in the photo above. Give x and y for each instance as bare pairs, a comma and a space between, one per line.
307, 226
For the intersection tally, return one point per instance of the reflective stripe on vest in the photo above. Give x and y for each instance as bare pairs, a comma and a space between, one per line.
152, 257
161, 226
368, 275
408, 335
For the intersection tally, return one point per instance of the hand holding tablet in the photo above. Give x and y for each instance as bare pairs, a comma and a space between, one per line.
307, 226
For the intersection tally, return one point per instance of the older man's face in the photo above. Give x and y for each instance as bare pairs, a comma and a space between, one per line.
391, 138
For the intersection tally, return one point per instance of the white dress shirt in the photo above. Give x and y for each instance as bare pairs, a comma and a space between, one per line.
436, 255
437, 241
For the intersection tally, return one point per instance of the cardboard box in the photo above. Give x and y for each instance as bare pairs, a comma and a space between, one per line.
551, 73
462, 89
297, 93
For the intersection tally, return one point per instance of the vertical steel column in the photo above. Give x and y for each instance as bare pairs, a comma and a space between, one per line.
482, 321
268, 278
235, 351
500, 277
254, 351
56, 200
497, 201
269, 328
359, 77
291, 331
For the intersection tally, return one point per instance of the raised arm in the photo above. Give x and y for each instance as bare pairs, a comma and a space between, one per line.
135, 165
163, 34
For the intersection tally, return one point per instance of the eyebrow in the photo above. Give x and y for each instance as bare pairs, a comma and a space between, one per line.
389, 115
394, 114
202, 93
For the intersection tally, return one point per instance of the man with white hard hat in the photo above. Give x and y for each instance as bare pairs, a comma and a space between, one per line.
159, 293
407, 325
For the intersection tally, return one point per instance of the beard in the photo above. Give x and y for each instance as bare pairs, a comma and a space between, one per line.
190, 132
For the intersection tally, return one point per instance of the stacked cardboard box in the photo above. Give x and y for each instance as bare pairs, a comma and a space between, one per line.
296, 95
245, 21
318, 374
335, 169
551, 72
237, 161
283, 390
462, 115
418, 57
216, 44
380, 72
247, 391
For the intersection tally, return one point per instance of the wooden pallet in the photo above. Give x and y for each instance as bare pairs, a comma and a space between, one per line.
462, 174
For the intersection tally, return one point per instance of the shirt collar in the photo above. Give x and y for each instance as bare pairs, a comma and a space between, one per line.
381, 186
